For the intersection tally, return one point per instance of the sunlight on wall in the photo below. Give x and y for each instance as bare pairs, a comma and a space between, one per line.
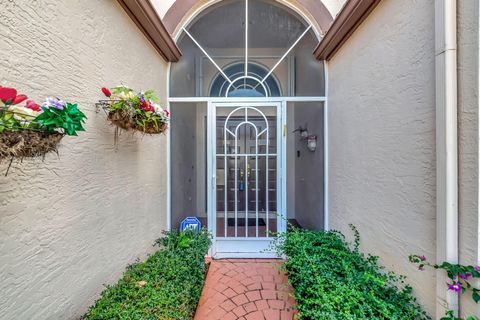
334, 6
162, 6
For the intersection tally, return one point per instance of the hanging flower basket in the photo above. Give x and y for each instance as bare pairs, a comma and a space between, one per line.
134, 111
33, 130
28, 143
124, 120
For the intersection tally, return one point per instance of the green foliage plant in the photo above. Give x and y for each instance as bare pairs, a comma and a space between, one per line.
166, 286
461, 278
69, 119
333, 280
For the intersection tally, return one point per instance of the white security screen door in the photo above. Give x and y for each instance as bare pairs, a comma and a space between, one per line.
245, 207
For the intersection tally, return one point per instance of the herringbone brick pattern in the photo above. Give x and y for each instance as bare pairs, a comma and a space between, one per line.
246, 289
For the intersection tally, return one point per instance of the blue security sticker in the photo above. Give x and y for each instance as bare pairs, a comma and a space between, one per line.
191, 223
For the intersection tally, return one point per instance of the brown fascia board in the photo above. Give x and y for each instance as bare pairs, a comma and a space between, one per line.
147, 20
353, 13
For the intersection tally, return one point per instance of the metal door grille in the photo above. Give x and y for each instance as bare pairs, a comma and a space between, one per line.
246, 156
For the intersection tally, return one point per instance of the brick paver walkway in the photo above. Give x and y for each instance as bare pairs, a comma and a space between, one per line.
246, 289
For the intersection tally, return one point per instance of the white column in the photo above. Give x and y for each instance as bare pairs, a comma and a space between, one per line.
447, 154
326, 217
478, 155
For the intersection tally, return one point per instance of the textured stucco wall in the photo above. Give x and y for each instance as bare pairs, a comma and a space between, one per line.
72, 223
382, 138
468, 133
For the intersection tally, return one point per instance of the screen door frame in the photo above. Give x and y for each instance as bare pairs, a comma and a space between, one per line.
244, 247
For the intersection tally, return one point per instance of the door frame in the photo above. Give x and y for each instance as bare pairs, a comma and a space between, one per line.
227, 247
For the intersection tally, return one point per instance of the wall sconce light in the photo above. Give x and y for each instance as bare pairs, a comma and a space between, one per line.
309, 139
312, 143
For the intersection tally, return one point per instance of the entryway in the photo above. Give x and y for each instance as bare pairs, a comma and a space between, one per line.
223, 155
247, 147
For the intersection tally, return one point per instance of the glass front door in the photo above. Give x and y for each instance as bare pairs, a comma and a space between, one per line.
246, 165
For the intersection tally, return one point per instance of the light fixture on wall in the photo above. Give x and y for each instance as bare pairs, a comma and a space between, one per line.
312, 143
309, 139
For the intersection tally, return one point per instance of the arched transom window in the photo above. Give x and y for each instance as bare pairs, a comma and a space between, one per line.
247, 48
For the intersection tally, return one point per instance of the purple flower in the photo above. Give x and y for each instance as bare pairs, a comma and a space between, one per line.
477, 268
142, 98
423, 258
465, 276
55, 103
456, 287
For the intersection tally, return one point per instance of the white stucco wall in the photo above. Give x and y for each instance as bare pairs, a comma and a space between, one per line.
382, 138
73, 222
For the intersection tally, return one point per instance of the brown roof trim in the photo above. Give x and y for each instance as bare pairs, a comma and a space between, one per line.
147, 20
353, 13
180, 8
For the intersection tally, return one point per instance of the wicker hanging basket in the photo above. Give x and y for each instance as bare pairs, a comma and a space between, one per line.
28, 143
126, 121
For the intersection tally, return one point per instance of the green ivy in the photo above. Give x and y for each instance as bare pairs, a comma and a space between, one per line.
450, 315
166, 286
460, 277
333, 280
70, 119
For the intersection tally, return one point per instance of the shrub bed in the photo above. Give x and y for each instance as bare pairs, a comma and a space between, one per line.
333, 280
166, 286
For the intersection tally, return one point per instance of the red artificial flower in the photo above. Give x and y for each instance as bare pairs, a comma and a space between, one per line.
106, 92
33, 105
167, 113
20, 98
9, 96
147, 106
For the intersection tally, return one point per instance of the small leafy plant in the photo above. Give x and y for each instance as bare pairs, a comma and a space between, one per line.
166, 286
333, 280
460, 277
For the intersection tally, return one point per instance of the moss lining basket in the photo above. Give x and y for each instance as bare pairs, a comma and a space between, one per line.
28, 143
126, 121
